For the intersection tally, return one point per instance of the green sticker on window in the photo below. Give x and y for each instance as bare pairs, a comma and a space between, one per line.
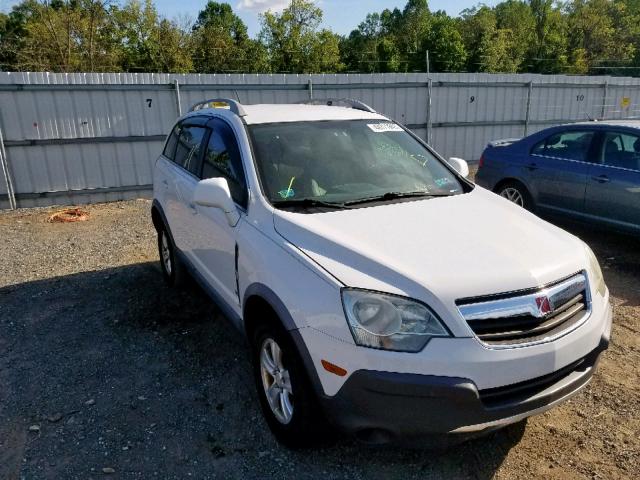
287, 193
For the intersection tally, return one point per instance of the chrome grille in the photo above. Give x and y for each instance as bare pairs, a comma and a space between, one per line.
528, 316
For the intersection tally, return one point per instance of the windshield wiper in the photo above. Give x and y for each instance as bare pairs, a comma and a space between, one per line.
394, 196
308, 203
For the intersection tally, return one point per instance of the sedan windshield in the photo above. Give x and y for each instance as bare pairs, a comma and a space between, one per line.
346, 162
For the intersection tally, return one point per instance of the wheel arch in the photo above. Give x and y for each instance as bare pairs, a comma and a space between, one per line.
158, 217
508, 180
258, 297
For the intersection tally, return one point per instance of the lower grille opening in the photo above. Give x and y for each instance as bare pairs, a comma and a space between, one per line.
518, 392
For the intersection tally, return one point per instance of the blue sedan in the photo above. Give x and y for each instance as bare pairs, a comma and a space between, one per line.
589, 171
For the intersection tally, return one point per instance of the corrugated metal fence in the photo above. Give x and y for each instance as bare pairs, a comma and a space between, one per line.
90, 137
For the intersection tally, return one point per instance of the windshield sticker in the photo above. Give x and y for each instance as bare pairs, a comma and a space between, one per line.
287, 193
441, 182
384, 127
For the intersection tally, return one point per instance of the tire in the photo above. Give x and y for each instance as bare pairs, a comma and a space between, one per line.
173, 271
516, 193
294, 414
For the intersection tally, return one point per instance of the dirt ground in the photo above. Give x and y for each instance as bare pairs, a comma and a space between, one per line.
104, 371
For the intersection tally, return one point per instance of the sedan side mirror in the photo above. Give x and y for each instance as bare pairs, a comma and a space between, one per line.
461, 166
214, 192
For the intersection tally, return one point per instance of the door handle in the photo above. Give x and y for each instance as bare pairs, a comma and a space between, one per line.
601, 179
165, 183
532, 166
193, 208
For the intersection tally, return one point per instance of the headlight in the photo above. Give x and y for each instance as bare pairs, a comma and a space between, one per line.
594, 269
390, 322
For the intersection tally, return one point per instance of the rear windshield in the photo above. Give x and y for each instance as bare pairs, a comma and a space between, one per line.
343, 161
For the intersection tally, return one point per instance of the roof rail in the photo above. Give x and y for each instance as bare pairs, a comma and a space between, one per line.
233, 105
341, 102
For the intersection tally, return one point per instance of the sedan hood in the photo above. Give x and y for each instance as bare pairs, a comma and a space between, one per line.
438, 249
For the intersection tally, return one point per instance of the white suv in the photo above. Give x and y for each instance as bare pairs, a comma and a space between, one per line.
381, 292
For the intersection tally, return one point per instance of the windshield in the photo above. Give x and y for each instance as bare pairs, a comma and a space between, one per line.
352, 161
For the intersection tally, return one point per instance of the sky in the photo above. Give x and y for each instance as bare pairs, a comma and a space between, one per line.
341, 16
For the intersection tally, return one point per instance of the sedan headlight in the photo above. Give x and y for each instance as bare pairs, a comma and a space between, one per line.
596, 271
390, 322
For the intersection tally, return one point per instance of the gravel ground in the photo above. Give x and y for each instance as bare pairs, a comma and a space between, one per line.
104, 371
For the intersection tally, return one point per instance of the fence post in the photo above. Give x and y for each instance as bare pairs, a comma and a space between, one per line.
429, 123
605, 93
7, 172
178, 99
527, 117
310, 88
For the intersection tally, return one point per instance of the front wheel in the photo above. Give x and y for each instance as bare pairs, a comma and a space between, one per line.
516, 193
172, 269
288, 402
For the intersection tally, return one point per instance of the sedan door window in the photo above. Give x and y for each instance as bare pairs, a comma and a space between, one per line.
571, 145
621, 150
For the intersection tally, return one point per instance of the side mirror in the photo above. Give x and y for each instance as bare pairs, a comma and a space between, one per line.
214, 192
460, 165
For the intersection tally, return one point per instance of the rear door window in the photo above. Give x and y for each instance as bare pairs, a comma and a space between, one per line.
571, 145
621, 150
189, 147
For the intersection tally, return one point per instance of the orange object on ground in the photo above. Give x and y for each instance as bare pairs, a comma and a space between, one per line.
69, 215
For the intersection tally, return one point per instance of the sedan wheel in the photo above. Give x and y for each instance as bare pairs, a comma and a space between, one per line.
514, 195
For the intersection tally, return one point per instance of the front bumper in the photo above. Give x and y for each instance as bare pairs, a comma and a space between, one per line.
382, 407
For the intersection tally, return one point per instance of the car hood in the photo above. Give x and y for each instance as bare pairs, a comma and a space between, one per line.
438, 249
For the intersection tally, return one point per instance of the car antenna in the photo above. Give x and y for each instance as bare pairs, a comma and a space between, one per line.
591, 119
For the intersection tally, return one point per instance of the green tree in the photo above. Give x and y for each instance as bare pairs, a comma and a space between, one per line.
496, 52
388, 56
517, 17
295, 42
12, 36
414, 29
148, 42
447, 52
66, 36
595, 40
371, 47
5, 59
478, 23
221, 42
549, 53
390, 41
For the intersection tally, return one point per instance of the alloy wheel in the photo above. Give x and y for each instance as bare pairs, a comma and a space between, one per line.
276, 381
165, 251
513, 194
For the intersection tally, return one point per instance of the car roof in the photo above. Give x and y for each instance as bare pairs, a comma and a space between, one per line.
630, 123
276, 113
